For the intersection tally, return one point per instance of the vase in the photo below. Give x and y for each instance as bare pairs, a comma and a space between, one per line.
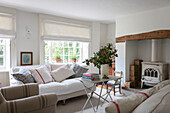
104, 69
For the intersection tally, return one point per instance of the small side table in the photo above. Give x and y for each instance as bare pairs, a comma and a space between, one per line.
100, 96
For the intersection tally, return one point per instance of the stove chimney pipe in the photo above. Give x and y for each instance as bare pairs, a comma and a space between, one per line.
154, 50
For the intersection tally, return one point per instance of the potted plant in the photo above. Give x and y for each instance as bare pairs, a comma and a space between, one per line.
103, 59
58, 59
73, 58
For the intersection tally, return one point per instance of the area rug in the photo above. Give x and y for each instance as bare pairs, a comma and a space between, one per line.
74, 105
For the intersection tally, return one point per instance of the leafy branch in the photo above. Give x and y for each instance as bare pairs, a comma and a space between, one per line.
104, 56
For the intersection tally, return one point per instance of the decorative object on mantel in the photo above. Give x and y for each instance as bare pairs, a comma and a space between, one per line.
159, 34
103, 59
26, 58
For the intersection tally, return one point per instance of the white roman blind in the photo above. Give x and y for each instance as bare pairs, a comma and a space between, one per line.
64, 31
7, 26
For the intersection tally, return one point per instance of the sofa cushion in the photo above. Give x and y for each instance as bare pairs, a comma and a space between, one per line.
62, 73
161, 85
128, 104
157, 103
79, 70
42, 75
24, 76
65, 87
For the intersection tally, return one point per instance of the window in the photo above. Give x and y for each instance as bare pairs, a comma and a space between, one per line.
66, 51
64, 42
4, 53
7, 33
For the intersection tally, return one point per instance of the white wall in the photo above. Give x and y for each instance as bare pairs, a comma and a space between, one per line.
95, 43
120, 60
143, 22
107, 34
111, 32
139, 23
4, 78
23, 44
131, 54
103, 34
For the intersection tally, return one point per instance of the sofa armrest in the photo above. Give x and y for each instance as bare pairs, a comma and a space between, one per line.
32, 103
20, 91
2, 99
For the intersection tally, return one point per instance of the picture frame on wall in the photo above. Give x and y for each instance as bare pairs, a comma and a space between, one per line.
26, 58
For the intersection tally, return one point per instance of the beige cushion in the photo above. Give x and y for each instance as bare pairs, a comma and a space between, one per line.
161, 85
128, 104
42, 75
62, 73
157, 103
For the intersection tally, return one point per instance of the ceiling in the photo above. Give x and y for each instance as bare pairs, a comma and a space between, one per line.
93, 10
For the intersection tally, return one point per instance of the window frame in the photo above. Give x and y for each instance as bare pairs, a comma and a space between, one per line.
69, 59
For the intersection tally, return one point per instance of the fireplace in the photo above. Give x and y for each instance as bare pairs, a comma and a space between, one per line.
154, 72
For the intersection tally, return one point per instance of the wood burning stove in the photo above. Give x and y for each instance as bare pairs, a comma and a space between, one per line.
153, 73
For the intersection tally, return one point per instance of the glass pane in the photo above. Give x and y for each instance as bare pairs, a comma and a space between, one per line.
70, 44
60, 44
78, 59
77, 51
65, 51
71, 51
46, 58
62, 59
66, 59
54, 44
65, 44
1, 50
1, 60
77, 44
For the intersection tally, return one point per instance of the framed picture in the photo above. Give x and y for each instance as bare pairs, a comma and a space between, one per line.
26, 58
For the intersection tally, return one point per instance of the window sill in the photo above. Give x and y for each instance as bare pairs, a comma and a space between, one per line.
3, 71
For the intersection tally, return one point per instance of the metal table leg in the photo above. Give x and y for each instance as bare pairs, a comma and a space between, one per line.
89, 97
99, 97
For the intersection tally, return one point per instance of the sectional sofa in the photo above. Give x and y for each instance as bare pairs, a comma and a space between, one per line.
153, 100
66, 89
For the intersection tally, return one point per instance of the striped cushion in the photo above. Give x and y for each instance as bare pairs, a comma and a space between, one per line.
24, 76
79, 70
42, 75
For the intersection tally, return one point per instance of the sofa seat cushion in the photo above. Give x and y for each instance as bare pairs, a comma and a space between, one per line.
64, 87
157, 103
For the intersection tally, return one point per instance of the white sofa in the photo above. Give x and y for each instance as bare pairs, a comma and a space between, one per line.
66, 89
153, 100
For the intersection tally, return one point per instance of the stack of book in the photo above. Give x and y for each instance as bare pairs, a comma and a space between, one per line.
90, 76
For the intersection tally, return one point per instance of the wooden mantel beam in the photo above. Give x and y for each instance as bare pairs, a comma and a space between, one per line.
159, 34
